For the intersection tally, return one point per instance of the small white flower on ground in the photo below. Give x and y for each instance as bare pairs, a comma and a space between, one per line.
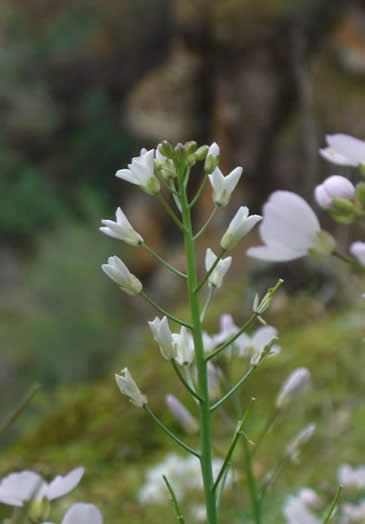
184, 346
141, 172
344, 150
223, 186
241, 224
128, 387
296, 512
163, 336
309, 497
81, 513
354, 513
295, 384
182, 414
357, 250
121, 229
350, 477
199, 513
18, 488
335, 186
216, 278
289, 230
120, 274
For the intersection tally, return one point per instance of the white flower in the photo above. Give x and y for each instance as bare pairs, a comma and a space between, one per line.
129, 388
18, 488
240, 225
121, 229
296, 512
120, 274
357, 249
213, 150
184, 346
290, 230
223, 186
335, 186
354, 512
256, 344
163, 336
141, 172
351, 477
227, 329
297, 382
81, 513
183, 415
216, 277
344, 150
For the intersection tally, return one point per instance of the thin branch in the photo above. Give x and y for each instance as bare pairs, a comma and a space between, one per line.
170, 434
199, 234
234, 388
234, 337
175, 504
196, 198
332, 506
171, 317
170, 212
20, 408
210, 296
185, 383
162, 261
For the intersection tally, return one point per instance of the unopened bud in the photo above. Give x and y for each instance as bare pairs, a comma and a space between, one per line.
295, 384
201, 152
334, 187
212, 158
166, 149
260, 307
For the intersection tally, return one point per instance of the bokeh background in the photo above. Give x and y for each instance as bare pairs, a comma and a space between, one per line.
84, 85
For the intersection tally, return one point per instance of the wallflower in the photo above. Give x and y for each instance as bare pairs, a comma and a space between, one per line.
19, 488
334, 186
344, 150
121, 229
216, 277
141, 172
128, 387
290, 230
81, 513
240, 225
357, 249
120, 274
223, 186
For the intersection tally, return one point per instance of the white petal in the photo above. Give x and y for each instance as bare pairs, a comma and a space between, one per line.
127, 175
263, 336
336, 158
210, 258
232, 179
61, 485
82, 513
20, 487
275, 253
348, 146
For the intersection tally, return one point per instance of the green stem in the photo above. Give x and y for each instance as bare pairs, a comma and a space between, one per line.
170, 212
266, 429
175, 504
199, 234
171, 317
348, 260
238, 433
20, 408
234, 388
196, 198
208, 273
231, 339
184, 382
170, 434
205, 422
332, 506
162, 261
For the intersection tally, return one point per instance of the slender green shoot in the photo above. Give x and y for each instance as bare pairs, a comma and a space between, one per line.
331, 509
20, 408
164, 312
185, 383
175, 504
163, 262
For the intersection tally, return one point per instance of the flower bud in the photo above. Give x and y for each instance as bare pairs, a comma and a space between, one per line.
335, 186
240, 225
129, 388
301, 438
217, 275
212, 158
162, 335
166, 149
120, 274
297, 382
201, 152
121, 229
357, 250
182, 415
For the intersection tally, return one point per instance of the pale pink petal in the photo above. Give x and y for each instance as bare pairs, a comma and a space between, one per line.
81, 513
62, 485
275, 253
348, 146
